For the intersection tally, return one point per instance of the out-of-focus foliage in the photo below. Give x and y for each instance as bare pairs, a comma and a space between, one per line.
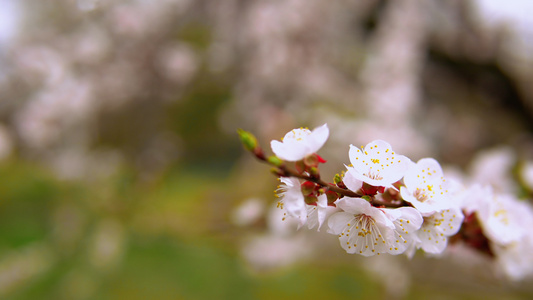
121, 170
123, 239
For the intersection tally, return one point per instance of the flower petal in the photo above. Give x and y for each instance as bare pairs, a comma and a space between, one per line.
318, 138
288, 151
299, 143
337, 222
351, 181
353, 205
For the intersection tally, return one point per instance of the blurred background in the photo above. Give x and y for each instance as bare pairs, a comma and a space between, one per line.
122, 177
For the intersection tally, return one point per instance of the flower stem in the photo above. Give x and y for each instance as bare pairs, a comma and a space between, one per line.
286, 172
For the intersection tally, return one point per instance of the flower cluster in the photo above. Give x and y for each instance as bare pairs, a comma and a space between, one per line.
384, 203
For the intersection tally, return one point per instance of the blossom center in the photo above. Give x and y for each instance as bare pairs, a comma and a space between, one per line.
365, 224
433, 220
420, 195
371, 175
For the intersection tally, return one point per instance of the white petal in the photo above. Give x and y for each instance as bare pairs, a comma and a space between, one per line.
503, 224
431, 241
411, 215
351, 181
293, 199
337, 222
312, 217
425, 170
407, 221
352, 205
436, 228
289, 181
448, 221
316, 214
318, 138
516, 259
406, 194
322, 205
288, 151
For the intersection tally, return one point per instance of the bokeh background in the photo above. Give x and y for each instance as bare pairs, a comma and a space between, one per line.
122, 177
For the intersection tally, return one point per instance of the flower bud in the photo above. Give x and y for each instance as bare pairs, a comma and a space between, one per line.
274, 160
337, 179
308, 188
248, 140
367, 198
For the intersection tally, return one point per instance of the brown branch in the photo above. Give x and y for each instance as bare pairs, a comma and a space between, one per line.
286, 172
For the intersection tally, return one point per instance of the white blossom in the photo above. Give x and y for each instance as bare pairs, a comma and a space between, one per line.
292, 199
377, 164
368, 230
500, 215
299, 143
514, 250
293, 204
506, 222
425, 187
